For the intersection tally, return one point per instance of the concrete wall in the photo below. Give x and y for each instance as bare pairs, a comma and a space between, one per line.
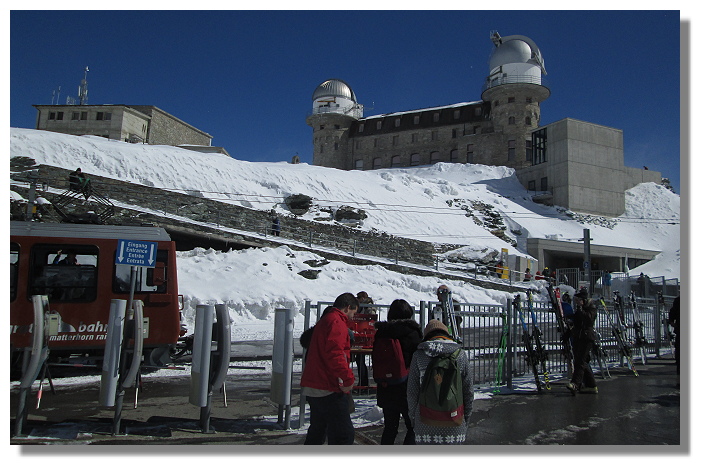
584, 167
123, 121
128, 123
165, 129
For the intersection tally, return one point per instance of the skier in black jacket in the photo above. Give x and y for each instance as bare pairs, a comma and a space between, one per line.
392, 397
583, 341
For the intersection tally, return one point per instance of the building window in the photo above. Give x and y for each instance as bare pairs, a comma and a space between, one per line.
335, 146
454, 133
511, 149
415, 159
375, 142
538, 146
434, 135
435, 157
436, 117
358, 164
456, 114
60, 281
84, 115
377, 163
476, 130
101, 116
529, 100
395, 140
511, 120
74, 116
321, 149
510, 99
337, 126
396, 161
416, 119
471, 153
397, 122
414, 138
496, 103
361, 128
532, 185
322, 127
528, 147
478, 111
358, 145
527, 120
454, 155
379, 125
544, 183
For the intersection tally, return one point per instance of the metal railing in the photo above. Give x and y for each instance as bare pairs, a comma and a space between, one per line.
482, 326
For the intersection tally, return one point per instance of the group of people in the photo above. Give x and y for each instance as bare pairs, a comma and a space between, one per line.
327, 378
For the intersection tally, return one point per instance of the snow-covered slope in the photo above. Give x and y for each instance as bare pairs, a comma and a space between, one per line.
433, 203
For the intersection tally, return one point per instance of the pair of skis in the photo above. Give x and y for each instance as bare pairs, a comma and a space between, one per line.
618, 331
448, 316
535, 352
554, 294
639, 338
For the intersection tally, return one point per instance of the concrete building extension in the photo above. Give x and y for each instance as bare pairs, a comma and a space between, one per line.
127, 123
569, 163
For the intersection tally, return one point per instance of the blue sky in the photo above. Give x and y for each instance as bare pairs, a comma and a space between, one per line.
246, 77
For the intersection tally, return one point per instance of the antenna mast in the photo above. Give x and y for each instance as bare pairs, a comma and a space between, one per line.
83, 89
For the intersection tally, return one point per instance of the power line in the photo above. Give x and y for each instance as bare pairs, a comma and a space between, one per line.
405, 208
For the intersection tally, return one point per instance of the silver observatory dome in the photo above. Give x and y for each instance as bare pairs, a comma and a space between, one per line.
334, 87
515, 49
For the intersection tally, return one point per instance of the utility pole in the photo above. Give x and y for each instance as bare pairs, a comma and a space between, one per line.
586, 257
33, 177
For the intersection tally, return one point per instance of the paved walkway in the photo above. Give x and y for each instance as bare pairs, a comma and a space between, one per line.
628, 410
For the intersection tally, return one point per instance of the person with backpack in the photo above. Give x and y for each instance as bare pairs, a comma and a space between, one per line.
439, 389
395, 342
327, 378
583, 334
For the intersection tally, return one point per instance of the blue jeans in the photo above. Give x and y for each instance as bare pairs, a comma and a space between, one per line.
330, 417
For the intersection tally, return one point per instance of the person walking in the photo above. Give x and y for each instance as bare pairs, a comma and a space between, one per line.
583, 332
674, 319
327, 377
391, 397
436, 343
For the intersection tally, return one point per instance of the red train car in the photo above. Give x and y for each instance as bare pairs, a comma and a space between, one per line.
42, 262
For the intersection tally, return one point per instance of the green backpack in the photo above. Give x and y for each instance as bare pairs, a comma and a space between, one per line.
441, 397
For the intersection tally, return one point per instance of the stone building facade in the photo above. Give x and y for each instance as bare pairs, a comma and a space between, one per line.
570, 163
127, 123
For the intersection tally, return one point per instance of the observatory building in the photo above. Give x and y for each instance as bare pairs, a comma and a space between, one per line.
570, 163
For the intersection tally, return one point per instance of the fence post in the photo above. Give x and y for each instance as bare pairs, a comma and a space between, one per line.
509, 356
658, 326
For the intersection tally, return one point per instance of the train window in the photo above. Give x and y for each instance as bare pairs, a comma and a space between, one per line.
14, 269
66, 273
148, 279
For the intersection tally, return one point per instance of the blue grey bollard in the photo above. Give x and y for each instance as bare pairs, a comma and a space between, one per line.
35, 357
283, 362
113, 348
200, 361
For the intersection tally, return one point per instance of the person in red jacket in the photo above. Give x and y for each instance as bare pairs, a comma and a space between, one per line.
327, 377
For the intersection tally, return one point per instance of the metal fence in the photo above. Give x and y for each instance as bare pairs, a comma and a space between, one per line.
482, 326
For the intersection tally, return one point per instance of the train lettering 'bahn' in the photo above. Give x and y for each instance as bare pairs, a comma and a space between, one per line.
78, 268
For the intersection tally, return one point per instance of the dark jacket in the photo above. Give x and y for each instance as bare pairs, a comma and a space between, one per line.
585, 316
409, 334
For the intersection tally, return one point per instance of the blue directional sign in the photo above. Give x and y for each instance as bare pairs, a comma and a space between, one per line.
136, 253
